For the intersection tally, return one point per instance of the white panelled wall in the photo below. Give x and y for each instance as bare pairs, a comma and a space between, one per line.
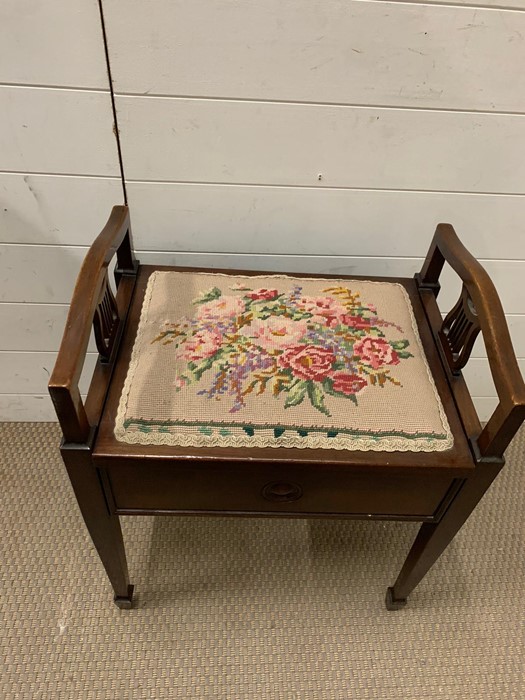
315, 135
59, 176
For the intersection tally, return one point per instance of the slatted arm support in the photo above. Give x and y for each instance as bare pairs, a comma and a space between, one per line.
478, 309
93, 303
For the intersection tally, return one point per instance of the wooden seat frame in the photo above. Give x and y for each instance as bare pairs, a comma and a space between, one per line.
440, 489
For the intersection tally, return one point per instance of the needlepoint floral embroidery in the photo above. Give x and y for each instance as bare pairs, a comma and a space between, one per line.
262, 361
293, 346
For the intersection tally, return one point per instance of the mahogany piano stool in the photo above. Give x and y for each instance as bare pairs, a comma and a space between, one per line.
440, 489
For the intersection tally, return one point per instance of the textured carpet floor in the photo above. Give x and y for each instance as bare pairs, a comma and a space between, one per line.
241, 608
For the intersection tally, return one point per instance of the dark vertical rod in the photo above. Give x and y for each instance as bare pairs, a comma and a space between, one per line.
113, 107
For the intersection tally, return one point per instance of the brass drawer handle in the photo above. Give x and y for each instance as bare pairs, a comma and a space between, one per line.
282, 492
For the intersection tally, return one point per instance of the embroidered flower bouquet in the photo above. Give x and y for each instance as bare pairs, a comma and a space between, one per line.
279, 361
289, 344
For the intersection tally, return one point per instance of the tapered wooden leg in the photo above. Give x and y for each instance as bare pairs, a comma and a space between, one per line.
433, 538
103, 525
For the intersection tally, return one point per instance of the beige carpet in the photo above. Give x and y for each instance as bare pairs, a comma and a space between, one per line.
240, 608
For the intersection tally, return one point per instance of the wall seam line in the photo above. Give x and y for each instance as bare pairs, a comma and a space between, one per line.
267, 185
319, 188
314, 103
232, 253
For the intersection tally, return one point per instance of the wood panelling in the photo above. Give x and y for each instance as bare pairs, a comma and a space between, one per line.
252, 219
478, 377
26, 407
57, 131
264, 143
485, 406
244, 219
52, 43
233, 181
490, 4
49, 275
336, 51
33, 327
29, 372
62, 263
46, 127
45, 209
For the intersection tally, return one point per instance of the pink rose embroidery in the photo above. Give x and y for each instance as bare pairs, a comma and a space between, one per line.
358, 322
375, 352
263, 293
223, 308
274, 332
347, 384
299, 347
324, 310
201, 345
308, 361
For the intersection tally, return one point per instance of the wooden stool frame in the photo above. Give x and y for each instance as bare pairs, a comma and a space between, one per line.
439, 489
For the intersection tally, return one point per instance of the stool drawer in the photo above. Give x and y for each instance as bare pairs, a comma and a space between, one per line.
262, 488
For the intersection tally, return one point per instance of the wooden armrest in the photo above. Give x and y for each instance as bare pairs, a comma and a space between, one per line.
478, 309
93, 304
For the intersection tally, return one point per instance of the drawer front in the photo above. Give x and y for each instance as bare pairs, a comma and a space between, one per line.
216, 487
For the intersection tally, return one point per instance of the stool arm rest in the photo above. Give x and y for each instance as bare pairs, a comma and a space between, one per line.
92, 304
478, 309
